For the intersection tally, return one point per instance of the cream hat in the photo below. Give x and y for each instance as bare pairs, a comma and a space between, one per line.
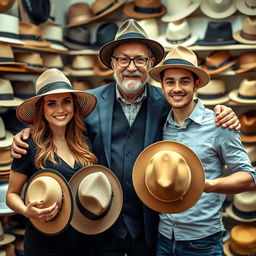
246, 7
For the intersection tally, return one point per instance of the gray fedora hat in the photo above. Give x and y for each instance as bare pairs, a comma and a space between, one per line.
130, 31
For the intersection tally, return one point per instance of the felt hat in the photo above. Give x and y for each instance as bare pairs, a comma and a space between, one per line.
180, 57
213, 93
9, 29
53, 81
168, 177
101, 70
242, 241
247, 35
130, 31
50, 186
5, 156
248, 126
150, 26
218, 33
5, 136
177, 10
5, 5
23, 89
98, 199
4, 209
178, 33
82, 85
5, 238
246, 93
218, 9
218, 61
52, 60
246, 61
246, 7
144, 9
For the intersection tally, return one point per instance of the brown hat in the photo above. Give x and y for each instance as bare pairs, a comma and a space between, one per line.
168, 177
180, 57
23, 89
218, 61
5, 157
53, 81
98, 199
5, 5
247, 62
248, 126
50, 186
52, 60
144, 9
130, 31
101, 70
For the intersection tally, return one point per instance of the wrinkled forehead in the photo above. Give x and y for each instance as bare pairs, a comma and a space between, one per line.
132, 49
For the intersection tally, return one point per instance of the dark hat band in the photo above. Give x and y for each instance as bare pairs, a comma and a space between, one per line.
5, 59
106, 8
24, 95
246, 97
90, 215
2, 138
248, 133
54, 41
218, 39
244, 215
30, 37
54, 86
222, 64
178, 41
235, 253
5, 164
6, 96
178, 62
81, 69
131, 35
147, 10
247, 36
9, 35
210, 96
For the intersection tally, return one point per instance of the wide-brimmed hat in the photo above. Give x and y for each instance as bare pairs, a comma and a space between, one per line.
180, 57
130, 31
218, 9
101, 70
6, 5
50, 186
144, 9
246, 61
98, 199
168, 177
5, 238
9, 29
150, 26
246, 93
213, 93
53, 81
177, 10
177, 33
218, 61
53, 60
242, 241
246, 7
248, 126
218, 33
247, 35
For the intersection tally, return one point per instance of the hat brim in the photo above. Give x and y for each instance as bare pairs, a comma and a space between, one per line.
215, 101
62, 221
106, 50
18, 64
237, 36
233, 95
202, 75
231, 213
216, 43
195, 189
245, 69
26, 112
226, 248
15, 102
11, 40
7, 141
20, 69
37, 43
85, 225
241, 6
7, 239
129, 11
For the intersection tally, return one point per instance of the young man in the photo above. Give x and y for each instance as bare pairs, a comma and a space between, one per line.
198, 231
129, 116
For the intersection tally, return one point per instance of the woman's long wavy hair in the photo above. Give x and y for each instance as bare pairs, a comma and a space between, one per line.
43, 137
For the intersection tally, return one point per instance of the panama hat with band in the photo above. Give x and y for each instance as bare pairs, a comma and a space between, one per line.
50, 186
130, 31
168, 177
183, 58
248, 126
53, 81
98, 199
246, 7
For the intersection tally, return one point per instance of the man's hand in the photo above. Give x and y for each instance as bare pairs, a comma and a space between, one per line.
226, 117
18, 144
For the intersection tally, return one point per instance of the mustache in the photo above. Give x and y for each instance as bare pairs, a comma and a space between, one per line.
135, 73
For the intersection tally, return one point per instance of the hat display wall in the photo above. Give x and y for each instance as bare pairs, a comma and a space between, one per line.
177, 10
23, 89
50, 186
218, 9
242, 241
247, 35
178, 33
6, 5
81, 85
7, 98
248, 126
246, 93
144, 9
150, 26
218, 33
98, 199
9, 29
101, 70
52, 60
246, 7
168, 177
180, 57
247, 62
218, 61
130, 31
4, 209
213, 93
5, 238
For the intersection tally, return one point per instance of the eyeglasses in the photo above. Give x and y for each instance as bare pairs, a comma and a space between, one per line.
125, 61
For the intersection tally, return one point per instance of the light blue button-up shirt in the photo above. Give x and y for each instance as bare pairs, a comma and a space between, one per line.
215, 147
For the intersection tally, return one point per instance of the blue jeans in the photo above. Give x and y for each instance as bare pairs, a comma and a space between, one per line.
208, 246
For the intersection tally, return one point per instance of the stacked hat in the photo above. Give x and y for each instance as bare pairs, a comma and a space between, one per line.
101, 70
151, 27
246, 7
52, 60
23, 89
248, 126
246, 61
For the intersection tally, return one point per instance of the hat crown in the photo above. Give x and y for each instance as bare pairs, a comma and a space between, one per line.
2, 129
52, 31
219, 5
248, 121
167, 176
178, 6
23, 88
27, 28
6, 51
249, 25
150, 26
178, 31
248, 87
83, 61
215, 86
29, 58
9, 23
245, 201
52, 60
148, 3
247, 59
100, 5
79, 12
5, 87
217, 57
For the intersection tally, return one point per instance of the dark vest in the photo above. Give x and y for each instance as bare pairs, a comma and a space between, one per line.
126, 144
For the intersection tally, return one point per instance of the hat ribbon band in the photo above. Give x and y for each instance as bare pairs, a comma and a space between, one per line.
103, 69
70, 40
248, 133
82, 68
246, 97
250, 6
178, 62
33, 65
9, 35
244, 215
5, 164
5, 59
210, 96
147, 10
218, 39
178, 41
90, 215
24, 95
54, 86
6, 96
106, 8
131, 35
222, 64
2, 138
30, 37
54, 41
247, 36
